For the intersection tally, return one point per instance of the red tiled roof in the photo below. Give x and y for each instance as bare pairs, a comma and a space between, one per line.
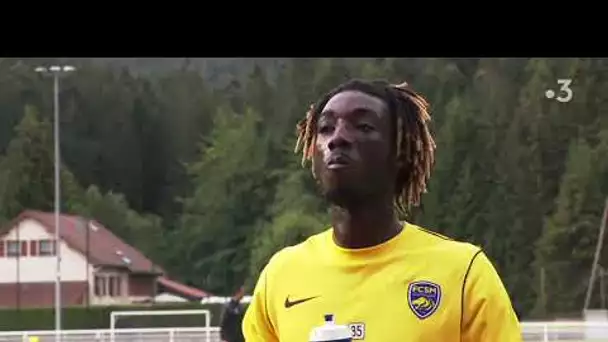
181, 288
42, 294
92, 239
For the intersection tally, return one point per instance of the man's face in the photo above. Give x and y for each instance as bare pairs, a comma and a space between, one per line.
353, 148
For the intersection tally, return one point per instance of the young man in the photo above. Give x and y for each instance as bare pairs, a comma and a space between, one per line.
372, 153
232, 318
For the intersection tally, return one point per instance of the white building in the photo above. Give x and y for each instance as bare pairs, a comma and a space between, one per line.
97, 267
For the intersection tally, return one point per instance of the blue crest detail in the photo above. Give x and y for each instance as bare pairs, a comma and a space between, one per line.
423, 298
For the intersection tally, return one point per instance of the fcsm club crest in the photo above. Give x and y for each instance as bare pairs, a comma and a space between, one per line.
423, 298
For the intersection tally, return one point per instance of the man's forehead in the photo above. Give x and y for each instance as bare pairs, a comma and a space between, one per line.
353, 101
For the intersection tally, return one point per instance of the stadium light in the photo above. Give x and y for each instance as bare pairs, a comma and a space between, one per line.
56, 71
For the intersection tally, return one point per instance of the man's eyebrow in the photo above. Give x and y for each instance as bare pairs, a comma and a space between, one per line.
326, 113
356, 112
361, 111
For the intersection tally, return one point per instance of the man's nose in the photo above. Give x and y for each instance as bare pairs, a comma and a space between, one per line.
342, 138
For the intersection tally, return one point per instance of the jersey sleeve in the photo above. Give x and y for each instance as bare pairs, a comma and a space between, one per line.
257, 325
488, 315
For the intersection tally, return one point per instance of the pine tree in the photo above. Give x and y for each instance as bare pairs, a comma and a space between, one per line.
27, 169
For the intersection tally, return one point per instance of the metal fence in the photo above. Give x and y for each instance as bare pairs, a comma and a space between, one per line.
119, 335
576, 331
531, 331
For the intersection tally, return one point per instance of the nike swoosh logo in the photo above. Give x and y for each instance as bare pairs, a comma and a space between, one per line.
289, 303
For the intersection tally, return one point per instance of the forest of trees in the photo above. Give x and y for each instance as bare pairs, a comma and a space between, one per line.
203, 179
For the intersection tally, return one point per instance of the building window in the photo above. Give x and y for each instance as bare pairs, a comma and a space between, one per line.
107, 285
46, 248
13, 248
114, 288
100, 288
34, 248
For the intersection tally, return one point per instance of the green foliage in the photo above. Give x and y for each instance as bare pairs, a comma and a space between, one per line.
99, 317
229, 194
27, 169
570, 234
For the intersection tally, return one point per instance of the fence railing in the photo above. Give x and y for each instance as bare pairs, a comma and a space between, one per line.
198, 334
531, 332
574, 331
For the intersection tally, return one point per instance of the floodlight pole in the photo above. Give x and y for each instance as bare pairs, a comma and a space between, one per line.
56, 72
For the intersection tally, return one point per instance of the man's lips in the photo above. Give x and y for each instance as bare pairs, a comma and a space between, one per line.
338, 161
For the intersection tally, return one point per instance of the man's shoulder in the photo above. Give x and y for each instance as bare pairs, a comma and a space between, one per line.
451, 248
298, 252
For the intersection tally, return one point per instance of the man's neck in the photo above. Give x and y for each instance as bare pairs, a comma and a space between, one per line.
365, 226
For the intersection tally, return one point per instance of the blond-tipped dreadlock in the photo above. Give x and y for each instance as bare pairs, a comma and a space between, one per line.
414, 145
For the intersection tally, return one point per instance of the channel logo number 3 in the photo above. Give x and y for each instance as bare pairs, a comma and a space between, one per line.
565, 92
357, 331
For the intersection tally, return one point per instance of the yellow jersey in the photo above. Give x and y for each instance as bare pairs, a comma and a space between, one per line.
418, 286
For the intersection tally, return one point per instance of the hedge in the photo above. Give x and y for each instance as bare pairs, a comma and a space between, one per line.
98, 317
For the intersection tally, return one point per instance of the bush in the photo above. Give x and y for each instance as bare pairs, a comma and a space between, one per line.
95, 317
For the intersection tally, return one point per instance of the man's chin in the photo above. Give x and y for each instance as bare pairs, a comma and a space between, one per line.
343, 197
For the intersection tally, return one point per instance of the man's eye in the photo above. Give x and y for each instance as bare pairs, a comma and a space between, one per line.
323, 129
365, 127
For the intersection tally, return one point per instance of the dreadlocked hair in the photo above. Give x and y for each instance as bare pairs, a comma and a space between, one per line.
414, 144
